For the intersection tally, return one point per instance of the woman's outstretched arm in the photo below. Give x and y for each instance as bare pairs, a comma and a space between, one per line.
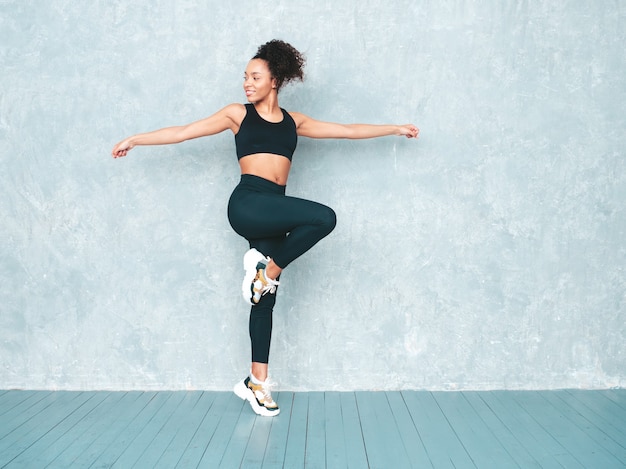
227, 118
308, 127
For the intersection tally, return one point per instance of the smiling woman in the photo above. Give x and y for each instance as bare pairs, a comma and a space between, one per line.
284, 62
279, 228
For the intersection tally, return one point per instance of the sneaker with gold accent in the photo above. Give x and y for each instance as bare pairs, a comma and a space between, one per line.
255, 282
259, 396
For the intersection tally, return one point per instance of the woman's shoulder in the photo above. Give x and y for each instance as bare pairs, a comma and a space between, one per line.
236, 112
297, 117
235, 108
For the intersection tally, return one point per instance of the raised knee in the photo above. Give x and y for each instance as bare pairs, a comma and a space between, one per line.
330, 219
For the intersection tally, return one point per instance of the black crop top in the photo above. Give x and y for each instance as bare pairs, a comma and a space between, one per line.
256, 135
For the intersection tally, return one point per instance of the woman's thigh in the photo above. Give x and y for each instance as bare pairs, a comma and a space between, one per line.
256, 215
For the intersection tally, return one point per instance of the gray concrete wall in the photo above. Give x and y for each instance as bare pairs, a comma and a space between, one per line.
488, 254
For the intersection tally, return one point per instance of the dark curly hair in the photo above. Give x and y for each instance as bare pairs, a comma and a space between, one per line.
285, 62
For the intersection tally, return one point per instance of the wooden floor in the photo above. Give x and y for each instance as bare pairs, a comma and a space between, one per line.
390, 430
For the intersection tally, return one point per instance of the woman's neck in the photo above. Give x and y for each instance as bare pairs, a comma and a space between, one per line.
269, 106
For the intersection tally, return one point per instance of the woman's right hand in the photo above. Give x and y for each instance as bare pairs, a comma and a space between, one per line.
122, 148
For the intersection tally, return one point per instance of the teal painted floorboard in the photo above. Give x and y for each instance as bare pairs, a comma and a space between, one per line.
274, 454
408, 429
295, 448
353, 436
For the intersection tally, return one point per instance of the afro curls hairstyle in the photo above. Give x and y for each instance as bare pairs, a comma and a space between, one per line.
285, 62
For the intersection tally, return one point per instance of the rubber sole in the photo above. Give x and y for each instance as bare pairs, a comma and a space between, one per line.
246, 394
250, 261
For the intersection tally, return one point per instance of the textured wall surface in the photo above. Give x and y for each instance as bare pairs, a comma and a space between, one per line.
488, 254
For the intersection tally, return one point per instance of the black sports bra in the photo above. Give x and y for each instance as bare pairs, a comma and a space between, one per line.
256, 135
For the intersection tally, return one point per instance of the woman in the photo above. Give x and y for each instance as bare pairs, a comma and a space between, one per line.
278, 228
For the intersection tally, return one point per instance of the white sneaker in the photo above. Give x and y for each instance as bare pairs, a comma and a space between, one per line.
255, 282
259, 396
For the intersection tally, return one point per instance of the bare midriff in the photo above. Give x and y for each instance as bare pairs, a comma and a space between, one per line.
268, 166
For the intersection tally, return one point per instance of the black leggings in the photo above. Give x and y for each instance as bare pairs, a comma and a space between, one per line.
277, 226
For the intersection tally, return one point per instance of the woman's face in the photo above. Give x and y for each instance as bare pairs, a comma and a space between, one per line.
257, 81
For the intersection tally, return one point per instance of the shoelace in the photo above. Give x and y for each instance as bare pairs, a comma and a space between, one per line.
267, 390
270, 286
273, 283
271, 289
